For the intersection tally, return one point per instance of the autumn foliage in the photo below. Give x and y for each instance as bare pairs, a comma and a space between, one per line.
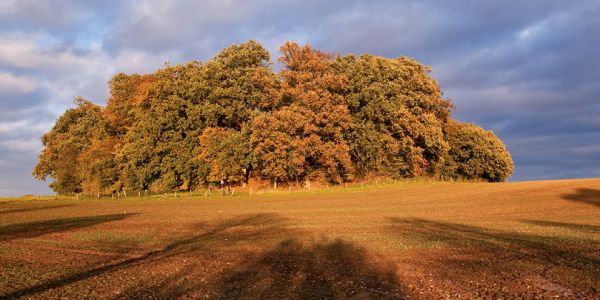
321, 117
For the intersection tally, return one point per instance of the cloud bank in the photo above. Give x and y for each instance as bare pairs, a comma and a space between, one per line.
529, 70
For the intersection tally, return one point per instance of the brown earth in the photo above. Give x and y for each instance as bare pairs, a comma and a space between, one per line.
417, 240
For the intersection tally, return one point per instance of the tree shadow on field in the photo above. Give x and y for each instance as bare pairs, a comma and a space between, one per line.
571, 226
291, 270
38, 228
525, 263
584, 195
325, 270
210, 264
211, 238
28, 209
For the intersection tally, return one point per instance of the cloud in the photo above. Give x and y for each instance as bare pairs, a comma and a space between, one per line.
526, 69
29, 145
17, 84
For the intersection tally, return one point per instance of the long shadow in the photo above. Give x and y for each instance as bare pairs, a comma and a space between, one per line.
291, 270
251, 227
476, 253
572, 226
38, 228
27, 209
584, 195
324, 270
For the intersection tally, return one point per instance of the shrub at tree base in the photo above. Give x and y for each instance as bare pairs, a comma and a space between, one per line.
231, 119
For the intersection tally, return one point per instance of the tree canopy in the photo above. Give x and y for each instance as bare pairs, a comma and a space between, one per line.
322, 117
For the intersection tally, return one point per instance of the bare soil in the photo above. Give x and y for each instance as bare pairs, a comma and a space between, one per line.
405, 240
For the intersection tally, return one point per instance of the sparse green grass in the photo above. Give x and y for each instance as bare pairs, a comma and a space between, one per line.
420, 239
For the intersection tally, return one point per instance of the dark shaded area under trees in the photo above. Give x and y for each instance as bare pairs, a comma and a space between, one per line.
323, 117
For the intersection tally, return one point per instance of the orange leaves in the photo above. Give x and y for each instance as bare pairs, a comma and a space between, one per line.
298, 58
305, 136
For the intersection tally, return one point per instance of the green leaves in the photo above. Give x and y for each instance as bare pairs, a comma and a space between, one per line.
398, 108
476, 153
227, 152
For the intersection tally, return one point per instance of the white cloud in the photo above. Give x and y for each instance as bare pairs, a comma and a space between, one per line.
26, 52
24, 126
13, 83
29, 145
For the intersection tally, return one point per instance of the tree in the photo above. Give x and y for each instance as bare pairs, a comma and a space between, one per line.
161, 149
476, 153
98, 170
227, 153
398, 114
231, 117
305, 136
126, 91
69, 137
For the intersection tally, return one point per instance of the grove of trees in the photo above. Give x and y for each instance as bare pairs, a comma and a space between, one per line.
322, 117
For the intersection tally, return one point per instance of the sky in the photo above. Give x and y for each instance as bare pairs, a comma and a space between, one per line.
528, 70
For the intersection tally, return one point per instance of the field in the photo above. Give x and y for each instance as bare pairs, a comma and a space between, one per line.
396, 240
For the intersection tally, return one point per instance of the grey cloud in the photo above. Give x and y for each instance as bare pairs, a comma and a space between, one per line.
529, 70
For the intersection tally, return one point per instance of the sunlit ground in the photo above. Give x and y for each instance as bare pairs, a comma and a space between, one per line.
396, 240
